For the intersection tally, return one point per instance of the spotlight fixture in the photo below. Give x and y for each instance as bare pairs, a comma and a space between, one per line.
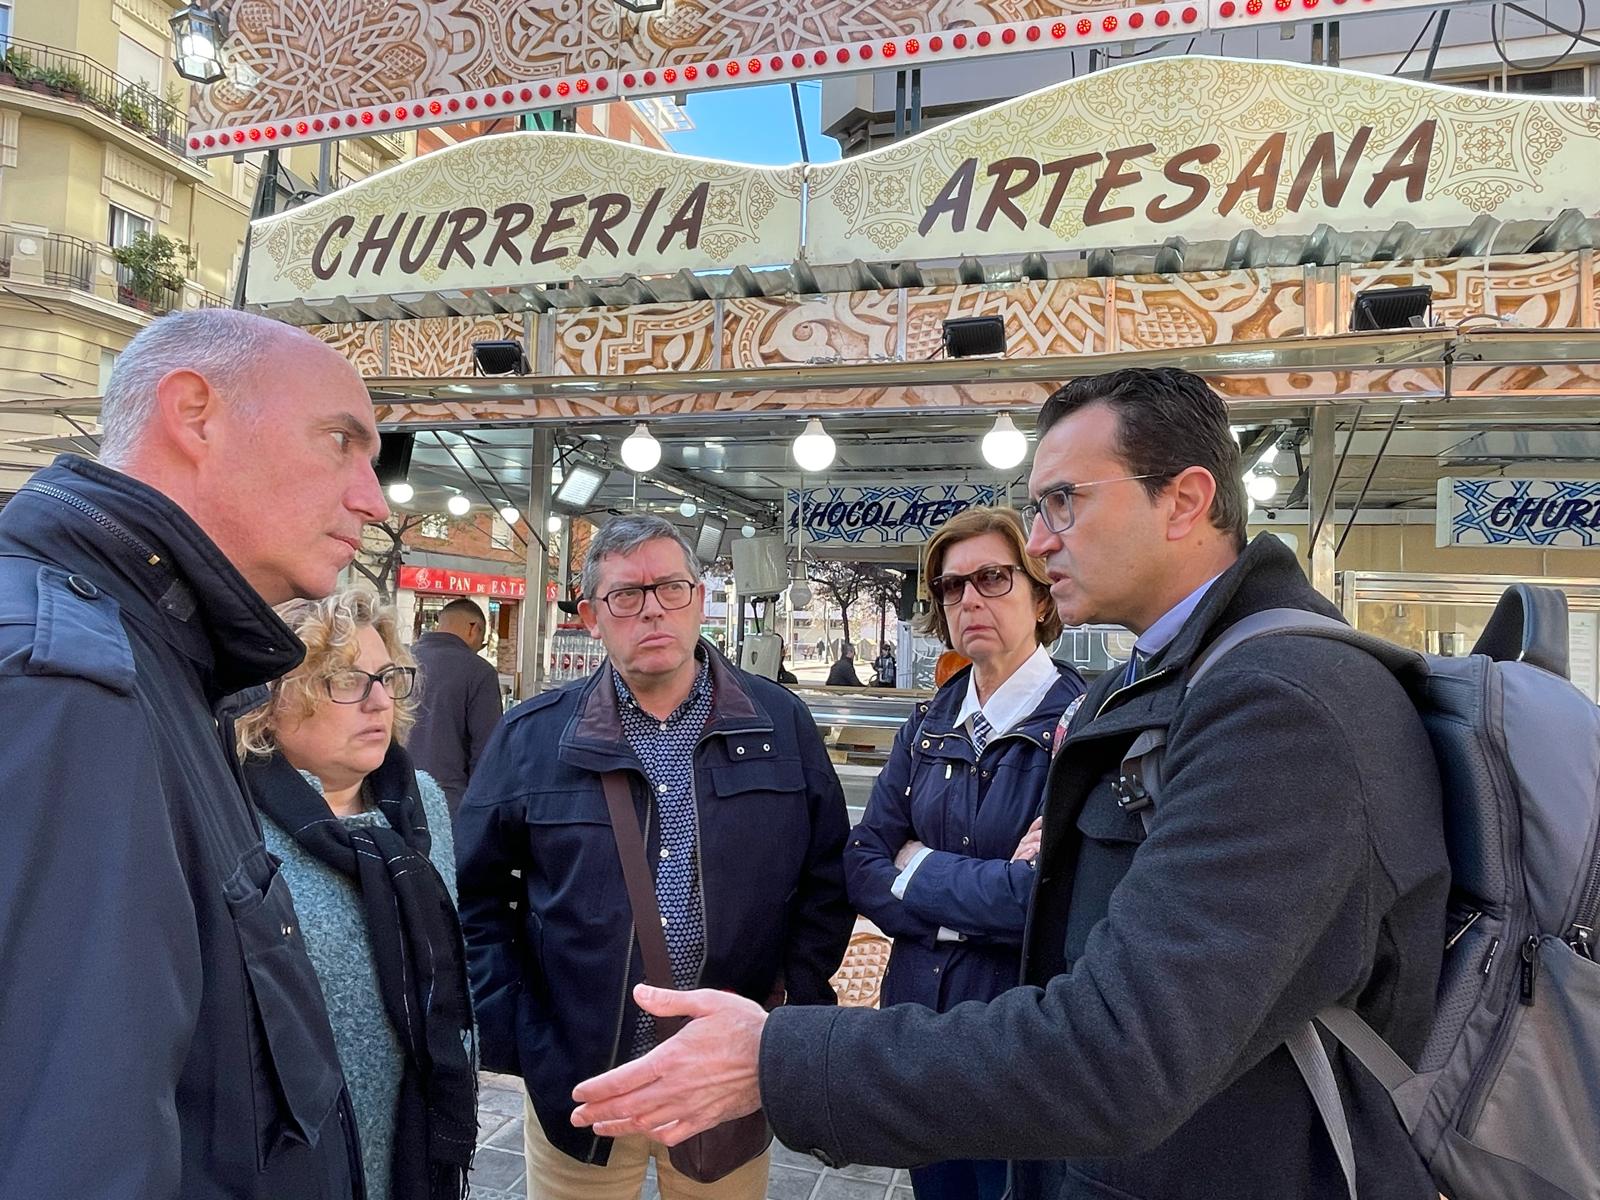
499, 358
1392, 308
969, 337
813, 449
581, 483
197, 36
553, 523
1261, 488
641, 6
394, 456
708, 541
640, 450
509, 514
688, 508
458, 505
1004, 446
401, 492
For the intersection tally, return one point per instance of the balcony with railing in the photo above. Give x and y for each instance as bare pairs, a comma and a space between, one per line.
79, 79
56, 260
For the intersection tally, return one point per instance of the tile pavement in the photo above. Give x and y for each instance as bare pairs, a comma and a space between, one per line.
498, 1172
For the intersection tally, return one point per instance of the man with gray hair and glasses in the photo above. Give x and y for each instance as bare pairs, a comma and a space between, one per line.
734, 820
162, 1032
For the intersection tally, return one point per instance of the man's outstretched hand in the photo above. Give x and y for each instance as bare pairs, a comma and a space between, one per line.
705, 1075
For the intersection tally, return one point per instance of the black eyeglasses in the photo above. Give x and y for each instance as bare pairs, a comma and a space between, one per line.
353, 685
1055, 505
671, 594
993, 580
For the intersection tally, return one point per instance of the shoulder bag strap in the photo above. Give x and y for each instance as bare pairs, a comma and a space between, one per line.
641, 891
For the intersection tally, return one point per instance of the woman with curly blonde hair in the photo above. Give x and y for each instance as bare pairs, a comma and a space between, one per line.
367, 851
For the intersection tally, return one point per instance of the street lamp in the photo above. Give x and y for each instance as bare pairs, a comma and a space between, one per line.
197, 37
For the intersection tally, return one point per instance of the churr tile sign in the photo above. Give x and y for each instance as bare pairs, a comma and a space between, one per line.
1192, 147
1544, 514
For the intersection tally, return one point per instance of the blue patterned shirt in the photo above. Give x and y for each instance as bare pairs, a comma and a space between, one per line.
666, 751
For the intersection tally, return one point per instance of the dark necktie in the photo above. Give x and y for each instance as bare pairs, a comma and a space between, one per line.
1135, 668
981, 731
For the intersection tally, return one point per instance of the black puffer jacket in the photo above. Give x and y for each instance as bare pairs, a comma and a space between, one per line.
162, 1033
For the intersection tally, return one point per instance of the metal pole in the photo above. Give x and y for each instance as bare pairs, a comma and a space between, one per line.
535, 611
1319, 499
325, 168
899, 105
916, 100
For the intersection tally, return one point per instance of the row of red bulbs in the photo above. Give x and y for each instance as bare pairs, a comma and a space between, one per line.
1253, 7
690, 74
398, 112
889, 50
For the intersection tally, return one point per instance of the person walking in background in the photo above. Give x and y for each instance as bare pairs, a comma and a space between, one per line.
366, 847
743, 824
162, 1033
884, 667
460, 703
843, 671
943, 859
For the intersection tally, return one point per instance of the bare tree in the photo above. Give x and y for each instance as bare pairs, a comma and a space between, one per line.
386, 553
883, 588
844, 583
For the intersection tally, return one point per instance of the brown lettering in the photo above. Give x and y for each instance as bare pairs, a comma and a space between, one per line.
687, 220
1012, 178
375, 241
338, 228
1063, 170
1199, 186
467, 224
606, 212
556, 222
954, 198
410, 257
645, 218
1319, 161
511, 221
1111, 179
1260, 175
1408, 162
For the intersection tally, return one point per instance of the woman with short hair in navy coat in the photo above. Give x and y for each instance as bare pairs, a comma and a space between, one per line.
943, 859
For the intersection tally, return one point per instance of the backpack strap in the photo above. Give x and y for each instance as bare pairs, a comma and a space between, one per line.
1529, 624
1138, 789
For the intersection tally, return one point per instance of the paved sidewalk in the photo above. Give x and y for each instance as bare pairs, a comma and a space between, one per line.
498, 1172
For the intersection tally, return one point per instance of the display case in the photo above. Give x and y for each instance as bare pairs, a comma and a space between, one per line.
1444, 614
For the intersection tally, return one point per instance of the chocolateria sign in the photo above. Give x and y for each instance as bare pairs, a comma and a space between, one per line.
1203, 148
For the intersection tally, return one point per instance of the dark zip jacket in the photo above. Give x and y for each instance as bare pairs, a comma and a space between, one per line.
552, 954
1296, 860
162, 1033
970, 812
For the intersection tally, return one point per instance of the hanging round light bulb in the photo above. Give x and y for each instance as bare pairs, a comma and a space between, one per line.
747, 530
509, 514
401, 492
640, 450
458, 505
1004, 446
553, 525
688, 508
813, 449
1261, 488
